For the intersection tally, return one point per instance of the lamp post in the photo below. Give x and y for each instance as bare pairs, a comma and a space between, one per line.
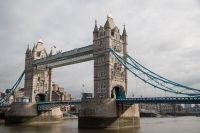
70, 105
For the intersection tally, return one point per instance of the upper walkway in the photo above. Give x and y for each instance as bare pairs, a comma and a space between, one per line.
66, 58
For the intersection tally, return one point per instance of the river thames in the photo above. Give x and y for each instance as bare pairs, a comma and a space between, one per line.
190, 124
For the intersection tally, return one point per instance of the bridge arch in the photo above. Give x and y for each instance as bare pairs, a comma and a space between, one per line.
118, 92
40, 97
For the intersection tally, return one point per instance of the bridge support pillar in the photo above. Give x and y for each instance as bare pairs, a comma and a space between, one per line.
105, 113
50, 85
27, 113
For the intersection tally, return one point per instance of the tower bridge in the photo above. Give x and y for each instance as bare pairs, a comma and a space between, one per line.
110, 106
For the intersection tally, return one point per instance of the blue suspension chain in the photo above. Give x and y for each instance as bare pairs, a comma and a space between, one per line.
154, 77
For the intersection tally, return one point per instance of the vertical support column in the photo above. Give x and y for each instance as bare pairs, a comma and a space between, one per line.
50, 85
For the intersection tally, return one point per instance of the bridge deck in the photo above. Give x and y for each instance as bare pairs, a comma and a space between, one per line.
175, 100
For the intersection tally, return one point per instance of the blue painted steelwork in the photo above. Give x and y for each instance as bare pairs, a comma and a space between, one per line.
66, 54
118, 92
178, 100
3, 100
45, 106
70, 61
154, 79
5, 106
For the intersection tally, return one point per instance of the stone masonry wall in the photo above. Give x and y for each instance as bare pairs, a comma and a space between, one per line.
92, 107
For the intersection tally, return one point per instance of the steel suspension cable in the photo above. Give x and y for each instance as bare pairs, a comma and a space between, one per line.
154, 77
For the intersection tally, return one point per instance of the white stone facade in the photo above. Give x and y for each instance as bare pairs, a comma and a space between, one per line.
108, 72
36, 77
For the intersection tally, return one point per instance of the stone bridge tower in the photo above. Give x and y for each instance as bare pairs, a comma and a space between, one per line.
36, 78
110, 77
110, 82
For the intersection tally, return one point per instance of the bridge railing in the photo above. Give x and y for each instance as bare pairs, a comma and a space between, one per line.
188, 100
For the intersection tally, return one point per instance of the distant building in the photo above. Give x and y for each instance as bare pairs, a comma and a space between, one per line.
162, 108
148, 107
2, 95
187, 105
58, 93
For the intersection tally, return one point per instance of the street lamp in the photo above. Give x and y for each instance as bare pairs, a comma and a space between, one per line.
70, 104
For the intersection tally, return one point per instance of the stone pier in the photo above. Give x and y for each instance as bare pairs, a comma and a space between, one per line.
27, 113
105, 113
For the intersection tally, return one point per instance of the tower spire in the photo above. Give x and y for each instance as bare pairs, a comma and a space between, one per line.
95, 27
33, 50
107, 24
51, 52
124, 31
27, 51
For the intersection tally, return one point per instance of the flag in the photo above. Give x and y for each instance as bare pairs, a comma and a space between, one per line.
54, 46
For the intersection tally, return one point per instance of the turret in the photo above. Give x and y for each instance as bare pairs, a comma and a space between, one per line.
51, 52
27, 51
109, 25
95, 32
125, 40
34, 51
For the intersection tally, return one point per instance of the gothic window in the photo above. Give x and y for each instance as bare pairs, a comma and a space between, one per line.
41, 84
101, 59
104, 85
104, 59
99, 74
38, 84
38, 54
101, 87
102, 73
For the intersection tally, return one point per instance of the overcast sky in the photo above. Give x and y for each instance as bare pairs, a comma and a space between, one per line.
164, 36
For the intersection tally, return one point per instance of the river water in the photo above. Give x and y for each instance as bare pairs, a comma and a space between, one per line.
190, 124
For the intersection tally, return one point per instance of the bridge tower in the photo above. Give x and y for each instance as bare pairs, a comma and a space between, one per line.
37, 87
36, 78
110, 82
110, 77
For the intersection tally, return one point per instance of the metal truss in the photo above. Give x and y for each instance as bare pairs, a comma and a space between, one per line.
4, 100
71, 61
154, 79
